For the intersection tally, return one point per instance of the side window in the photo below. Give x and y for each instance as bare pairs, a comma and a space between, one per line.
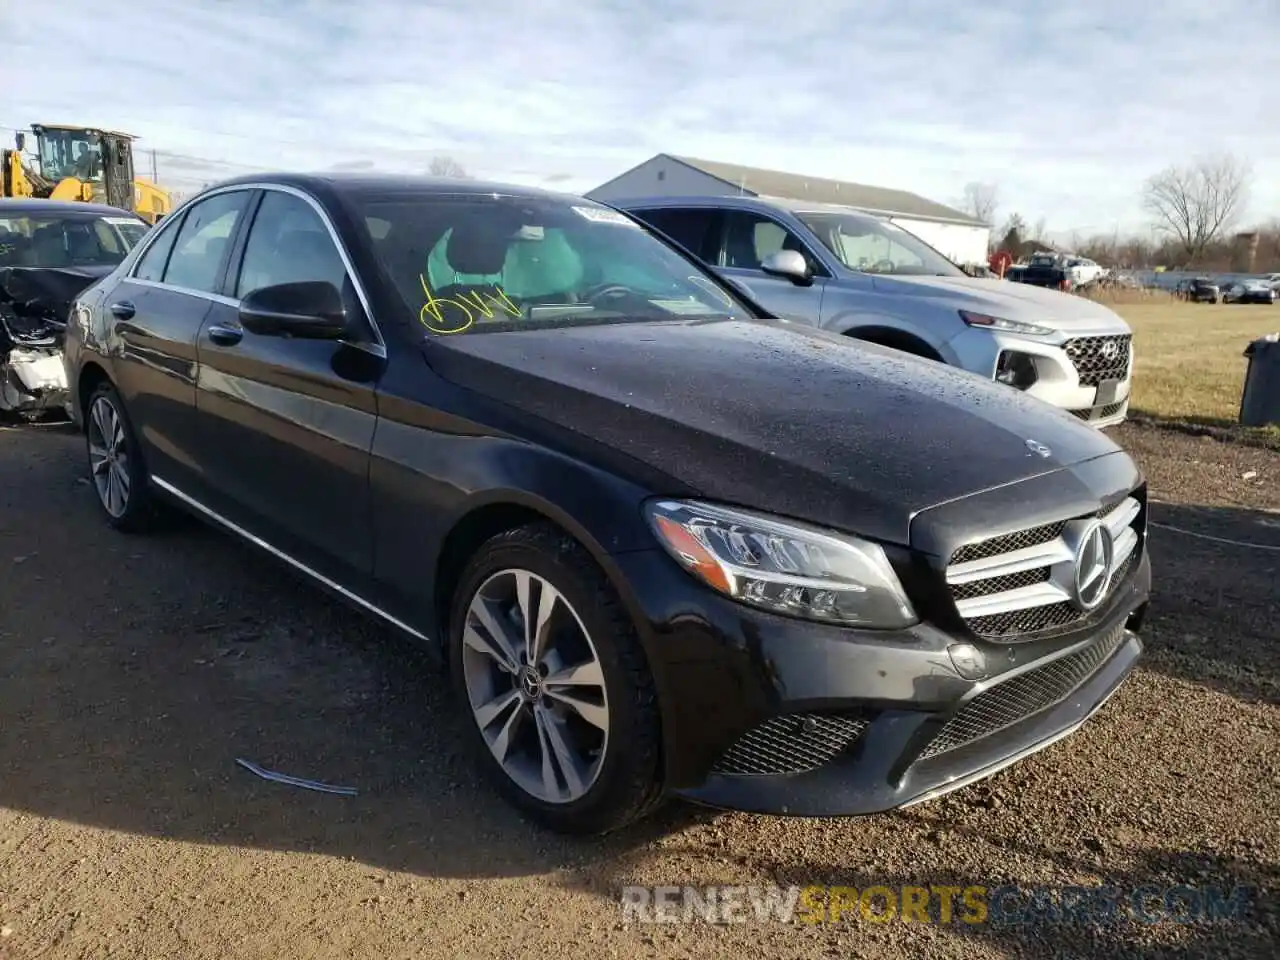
688, 227
750, 237
151, 266
288, 242
109, 241
202, 240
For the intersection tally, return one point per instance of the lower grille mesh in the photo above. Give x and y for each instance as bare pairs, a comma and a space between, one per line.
1021, 696
790, 744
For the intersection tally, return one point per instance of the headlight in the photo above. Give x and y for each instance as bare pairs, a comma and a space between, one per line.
783, 566
999, 323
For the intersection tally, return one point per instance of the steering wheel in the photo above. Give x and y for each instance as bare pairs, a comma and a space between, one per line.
606, 292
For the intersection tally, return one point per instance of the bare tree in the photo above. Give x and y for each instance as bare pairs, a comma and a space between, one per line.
981, 201
1196, 204
447, 167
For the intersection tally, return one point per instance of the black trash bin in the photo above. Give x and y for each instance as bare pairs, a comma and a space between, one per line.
1260, 401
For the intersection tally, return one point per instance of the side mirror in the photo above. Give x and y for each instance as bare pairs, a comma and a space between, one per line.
789, 264
310, 309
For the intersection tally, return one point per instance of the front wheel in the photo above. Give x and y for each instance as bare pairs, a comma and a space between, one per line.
563, 713
115, 463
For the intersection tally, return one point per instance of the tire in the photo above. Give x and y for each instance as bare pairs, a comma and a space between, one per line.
117, 473
909, 346
613, 776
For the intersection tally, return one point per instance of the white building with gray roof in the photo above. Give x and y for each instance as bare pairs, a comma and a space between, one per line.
955, 234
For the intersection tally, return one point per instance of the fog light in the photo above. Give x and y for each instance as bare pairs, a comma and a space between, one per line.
1016, 369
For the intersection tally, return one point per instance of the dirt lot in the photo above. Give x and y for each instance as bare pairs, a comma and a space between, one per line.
133, 673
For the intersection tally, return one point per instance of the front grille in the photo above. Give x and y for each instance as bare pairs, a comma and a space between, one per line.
995, 546
1093, 365
1099, 413
1020, 585
1016, 623
791, 744
983, 588
1023, 696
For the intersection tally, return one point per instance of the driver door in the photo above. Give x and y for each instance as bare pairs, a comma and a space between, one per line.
745, 239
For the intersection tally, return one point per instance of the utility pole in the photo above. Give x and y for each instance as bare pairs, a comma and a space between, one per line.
155, 176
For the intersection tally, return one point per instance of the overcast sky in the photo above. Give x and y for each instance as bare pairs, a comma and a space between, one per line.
1067, 106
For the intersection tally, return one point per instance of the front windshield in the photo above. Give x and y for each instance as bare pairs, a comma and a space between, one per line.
870, 245
70, 153
474, 264
67, 241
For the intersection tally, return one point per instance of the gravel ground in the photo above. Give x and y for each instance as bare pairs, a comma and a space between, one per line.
133, 673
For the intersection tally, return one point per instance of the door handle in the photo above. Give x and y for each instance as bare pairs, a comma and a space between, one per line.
124, 310
224, 335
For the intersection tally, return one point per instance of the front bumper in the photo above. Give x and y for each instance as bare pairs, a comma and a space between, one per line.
32, 379
774, 715
1058, 379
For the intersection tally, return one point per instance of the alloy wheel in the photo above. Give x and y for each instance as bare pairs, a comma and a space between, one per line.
109, 457
535, 685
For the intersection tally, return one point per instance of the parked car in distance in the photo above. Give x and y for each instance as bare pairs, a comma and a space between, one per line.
64, 233
1198, 290
1047, 270
865, 277
1084, 272
49, 251
668, 545
1249, 291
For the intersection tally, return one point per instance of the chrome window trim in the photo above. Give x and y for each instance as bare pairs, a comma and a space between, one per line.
187, 291
378, 349
280, 554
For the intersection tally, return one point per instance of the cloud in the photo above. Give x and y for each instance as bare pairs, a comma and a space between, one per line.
1067, 106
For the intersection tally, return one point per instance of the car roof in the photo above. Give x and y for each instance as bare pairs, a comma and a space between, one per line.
30, 205
734, 202
367, 185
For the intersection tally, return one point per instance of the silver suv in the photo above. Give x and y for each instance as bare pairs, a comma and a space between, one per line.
866, 277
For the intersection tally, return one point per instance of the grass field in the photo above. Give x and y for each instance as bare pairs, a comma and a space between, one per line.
1189, 360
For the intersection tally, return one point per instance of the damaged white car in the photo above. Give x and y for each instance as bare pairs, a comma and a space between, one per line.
49, 252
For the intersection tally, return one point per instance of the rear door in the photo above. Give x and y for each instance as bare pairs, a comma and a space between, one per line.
286, 424
157, 311
694, 228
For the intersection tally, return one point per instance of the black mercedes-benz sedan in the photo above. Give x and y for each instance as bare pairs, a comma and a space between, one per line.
667, 545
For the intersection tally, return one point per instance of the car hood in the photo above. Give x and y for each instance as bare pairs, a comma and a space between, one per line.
780, 418
1009, 300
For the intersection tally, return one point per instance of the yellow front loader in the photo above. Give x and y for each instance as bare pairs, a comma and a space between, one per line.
81, 163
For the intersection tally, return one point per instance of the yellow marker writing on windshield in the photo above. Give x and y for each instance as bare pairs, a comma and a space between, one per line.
461, 313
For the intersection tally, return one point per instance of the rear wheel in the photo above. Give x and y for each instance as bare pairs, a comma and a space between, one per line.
563, 714
115, 463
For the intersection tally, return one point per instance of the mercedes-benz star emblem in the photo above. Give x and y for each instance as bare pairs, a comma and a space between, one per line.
1094, 553
530, 683
1036, 447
